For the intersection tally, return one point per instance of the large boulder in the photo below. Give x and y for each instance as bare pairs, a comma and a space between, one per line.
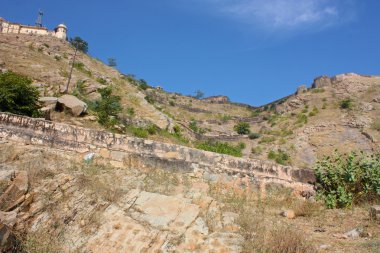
321, 82
301, 89
72, 104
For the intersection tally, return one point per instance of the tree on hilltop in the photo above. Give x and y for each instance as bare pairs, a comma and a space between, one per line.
79, 44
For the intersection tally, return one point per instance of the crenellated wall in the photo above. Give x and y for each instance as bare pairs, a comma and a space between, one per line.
122, 149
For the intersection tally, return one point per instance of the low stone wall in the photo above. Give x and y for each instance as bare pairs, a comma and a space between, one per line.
121, 149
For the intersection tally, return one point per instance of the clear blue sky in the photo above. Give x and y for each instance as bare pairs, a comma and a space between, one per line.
254, 51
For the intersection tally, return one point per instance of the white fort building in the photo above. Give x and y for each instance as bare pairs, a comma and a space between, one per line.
9, 27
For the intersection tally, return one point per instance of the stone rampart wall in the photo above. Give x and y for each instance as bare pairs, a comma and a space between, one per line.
121, 149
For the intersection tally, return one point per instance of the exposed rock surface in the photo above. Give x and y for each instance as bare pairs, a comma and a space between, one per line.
217, 99
321, 82
301, 89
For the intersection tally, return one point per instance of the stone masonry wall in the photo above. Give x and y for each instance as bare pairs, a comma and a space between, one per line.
124, 150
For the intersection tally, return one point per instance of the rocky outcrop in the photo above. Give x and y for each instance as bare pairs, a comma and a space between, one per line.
342, 77
121, 150
217, 99
72, 104
301, 89
320, 82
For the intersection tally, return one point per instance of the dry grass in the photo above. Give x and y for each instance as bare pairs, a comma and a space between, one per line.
42, 241
160, 181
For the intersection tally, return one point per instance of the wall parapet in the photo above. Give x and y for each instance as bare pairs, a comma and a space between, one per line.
119, 148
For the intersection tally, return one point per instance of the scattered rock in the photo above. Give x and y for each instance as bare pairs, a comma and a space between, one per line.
290, 214
88, 157
71, 103
321, 82
301, 89
366, 107
376, 100
374, 213
217, 99
357, 232
47, 110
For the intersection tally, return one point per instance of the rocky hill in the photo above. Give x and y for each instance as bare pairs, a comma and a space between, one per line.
72, 184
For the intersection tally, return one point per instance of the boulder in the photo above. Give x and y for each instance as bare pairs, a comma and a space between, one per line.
290, 214
321, 82
47, 110
374, 213
301, 89
94, 96
72, 104
48, 101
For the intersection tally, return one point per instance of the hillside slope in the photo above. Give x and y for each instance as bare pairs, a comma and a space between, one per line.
301, 127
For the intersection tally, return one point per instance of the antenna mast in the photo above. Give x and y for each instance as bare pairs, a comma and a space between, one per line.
39, 18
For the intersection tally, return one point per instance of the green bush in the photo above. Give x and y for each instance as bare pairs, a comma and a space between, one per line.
107, 108
347, 103
313, 112
143, 84
149, 99
101, 80
253, 136
344, 180
177, 129
139, 132
171, 103
301, 119
267, 139
242, 128
193, 125
17, 95
318, 90
281, 157
221, 148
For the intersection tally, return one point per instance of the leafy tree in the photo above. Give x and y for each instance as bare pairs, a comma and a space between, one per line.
199, 94
79, 44
17, 95
242, 128
112, 62
107, 107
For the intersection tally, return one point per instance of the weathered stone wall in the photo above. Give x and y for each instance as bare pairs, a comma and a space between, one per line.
121, 149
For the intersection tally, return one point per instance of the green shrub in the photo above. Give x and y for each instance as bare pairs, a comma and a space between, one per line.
138, 131
221, 147
346, 103
281, 157
253, 136
301, 119
313, 112
257, 150
152, 129
57, 58
344, 180
177, 129
17, 95
107, 108
149, 99
101, 81
267, 139
171, 103
318, 90
131, 111
143, 84
324, 106
242, 128
193, 125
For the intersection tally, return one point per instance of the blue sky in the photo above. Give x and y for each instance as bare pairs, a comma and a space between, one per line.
254, 51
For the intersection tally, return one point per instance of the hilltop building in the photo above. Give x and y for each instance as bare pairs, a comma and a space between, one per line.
9, 27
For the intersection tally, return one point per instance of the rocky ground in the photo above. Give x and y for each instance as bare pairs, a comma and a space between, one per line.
55, 201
